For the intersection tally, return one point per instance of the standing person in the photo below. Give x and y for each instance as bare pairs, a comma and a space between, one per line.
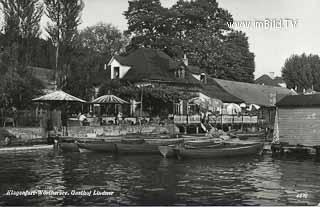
119, 117
64, 123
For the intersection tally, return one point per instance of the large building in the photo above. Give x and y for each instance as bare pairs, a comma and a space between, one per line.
150, 67
153, 68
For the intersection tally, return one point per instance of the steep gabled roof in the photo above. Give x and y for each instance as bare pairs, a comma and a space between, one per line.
254, 93
154, 65
300, 101
267, 80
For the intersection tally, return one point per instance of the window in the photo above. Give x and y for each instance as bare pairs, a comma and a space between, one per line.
203, 77
180, 73
116, 72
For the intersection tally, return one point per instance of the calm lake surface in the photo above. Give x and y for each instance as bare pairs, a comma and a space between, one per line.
153, 180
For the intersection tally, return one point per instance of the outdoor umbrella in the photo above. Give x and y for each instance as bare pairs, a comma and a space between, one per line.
109, 99
207, 103
58, 96
233, 108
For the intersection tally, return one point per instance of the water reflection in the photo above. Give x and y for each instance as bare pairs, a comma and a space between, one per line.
152, 180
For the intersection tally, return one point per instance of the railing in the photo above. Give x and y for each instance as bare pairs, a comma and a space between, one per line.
180, 119
187, 119
233, 119
194, 119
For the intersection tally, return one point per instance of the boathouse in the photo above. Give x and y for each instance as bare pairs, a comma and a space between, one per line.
299, 120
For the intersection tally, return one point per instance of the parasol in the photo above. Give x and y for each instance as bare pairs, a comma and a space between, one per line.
109, 99
58, 96
233, 108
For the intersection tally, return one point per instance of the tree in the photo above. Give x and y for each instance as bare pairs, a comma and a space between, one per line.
94, 46
302, 72
236, 62
104, 39
21, 30
21, 26
197, 28
146, 20
65, 16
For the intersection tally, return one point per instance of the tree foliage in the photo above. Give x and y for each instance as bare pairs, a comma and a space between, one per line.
94, 46
21, 29
102, 38
155, 99
302, 72
65, 16
21, 26
197, 28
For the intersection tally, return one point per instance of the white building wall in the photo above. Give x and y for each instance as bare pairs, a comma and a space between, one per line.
122, 68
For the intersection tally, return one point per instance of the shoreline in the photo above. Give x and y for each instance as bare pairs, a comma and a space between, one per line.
25, 148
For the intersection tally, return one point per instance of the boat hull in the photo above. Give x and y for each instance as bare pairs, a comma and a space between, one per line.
99, 147
164, 142
230, 150
68, 147
251, 136
144, 148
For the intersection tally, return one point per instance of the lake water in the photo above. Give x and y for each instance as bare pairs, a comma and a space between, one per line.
153, 180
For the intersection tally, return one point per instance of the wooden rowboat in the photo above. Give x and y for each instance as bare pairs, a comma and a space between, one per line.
245, 136
228, 150
164, 142
202, 143
139, 148
109, 147
68, 147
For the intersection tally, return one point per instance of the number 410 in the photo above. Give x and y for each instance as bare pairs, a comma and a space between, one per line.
302, 195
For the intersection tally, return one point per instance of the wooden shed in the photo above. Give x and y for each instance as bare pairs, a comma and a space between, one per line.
299, 120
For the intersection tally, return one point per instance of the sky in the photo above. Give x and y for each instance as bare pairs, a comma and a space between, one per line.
299, 32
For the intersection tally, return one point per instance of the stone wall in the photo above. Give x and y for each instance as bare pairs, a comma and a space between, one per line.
92, 131
115, 130
25, 132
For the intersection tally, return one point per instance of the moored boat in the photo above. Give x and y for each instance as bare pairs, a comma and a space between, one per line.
225, 150
143, 148
99, 146
136, 146
68, 147
246, 136
164, 142
203, 142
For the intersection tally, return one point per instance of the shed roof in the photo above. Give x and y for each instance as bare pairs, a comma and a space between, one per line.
254, 93
300, 101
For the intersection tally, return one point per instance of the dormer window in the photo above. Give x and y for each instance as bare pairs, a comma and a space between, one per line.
203, 78
180, 72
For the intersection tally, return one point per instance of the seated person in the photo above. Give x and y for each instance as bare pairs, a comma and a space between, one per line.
82, 119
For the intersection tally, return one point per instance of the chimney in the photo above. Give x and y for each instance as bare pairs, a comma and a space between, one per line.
271, 74
185, 59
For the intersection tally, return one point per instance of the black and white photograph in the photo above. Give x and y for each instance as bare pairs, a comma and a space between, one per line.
159, 103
